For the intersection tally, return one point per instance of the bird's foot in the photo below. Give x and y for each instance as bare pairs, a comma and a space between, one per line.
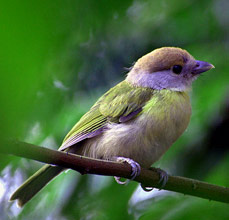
163, 176
136, 169
163, 179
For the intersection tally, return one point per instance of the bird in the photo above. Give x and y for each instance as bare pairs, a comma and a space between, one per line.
137, 120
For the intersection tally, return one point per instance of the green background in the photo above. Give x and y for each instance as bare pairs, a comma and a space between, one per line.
58, 57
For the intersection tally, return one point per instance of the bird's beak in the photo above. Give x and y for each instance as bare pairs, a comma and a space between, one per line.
201, 66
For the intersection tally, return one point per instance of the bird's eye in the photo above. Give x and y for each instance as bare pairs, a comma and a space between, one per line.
177, 69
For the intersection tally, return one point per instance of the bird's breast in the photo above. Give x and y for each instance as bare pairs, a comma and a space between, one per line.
164, 118
146, 137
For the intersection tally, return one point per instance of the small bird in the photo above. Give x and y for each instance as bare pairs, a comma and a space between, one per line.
138, 119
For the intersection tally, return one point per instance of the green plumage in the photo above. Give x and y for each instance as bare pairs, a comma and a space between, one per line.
140, 118
122, 100
119, 101
35, 183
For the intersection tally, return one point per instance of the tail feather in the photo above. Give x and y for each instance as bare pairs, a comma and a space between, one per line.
35, 183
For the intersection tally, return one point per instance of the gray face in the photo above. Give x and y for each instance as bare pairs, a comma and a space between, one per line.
177, 78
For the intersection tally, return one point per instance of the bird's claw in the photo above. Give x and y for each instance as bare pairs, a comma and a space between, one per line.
117, 179
135, 167
146, 189
163, 179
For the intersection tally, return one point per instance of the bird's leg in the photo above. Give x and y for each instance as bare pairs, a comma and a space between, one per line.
136, 169
162, 180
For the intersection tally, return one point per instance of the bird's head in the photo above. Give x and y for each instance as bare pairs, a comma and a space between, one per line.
167, 68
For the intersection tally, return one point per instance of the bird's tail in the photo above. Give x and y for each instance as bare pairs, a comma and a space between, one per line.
35, 183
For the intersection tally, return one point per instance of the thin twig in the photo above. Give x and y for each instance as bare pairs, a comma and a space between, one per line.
86, 165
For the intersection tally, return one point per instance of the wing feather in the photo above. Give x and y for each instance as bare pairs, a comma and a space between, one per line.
119, 105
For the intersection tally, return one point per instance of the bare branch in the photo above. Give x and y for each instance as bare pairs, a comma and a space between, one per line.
86, 165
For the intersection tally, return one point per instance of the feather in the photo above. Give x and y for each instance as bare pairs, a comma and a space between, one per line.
119, 105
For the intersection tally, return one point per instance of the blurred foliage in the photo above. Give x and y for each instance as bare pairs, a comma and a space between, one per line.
58, 57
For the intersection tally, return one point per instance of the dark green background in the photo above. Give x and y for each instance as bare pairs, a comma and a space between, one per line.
58, 57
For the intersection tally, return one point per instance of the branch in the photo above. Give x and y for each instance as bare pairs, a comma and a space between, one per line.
85, 165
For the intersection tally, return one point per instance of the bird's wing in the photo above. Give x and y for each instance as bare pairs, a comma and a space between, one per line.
120, 104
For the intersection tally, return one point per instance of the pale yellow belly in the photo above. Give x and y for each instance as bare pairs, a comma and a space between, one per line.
147, 137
